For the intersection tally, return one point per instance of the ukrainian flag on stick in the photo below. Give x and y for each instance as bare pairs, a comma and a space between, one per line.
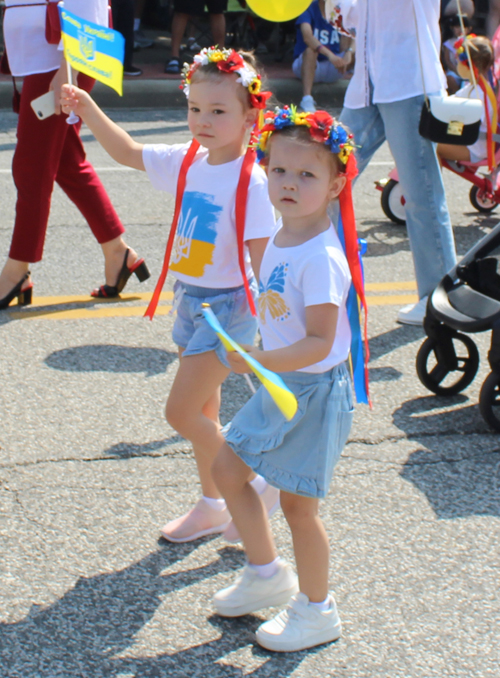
274, 384
92, 49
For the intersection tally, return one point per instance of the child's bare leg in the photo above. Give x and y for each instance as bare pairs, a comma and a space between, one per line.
451, 152
232, 477
193, 410
266, 581
310, 544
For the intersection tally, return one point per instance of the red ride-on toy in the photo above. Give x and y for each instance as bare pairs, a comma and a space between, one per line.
484, 194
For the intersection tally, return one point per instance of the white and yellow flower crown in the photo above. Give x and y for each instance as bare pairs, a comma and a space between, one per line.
228, 61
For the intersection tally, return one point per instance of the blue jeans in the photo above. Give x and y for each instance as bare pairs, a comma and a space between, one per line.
427, 218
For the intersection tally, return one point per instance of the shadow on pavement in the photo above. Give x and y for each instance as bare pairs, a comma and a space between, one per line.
111, 358
82, 633
460, 480
205, 659
384, 374
127, 450
389, 341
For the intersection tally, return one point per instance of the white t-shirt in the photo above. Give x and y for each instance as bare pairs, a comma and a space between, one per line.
387, 49
292, 278
478, 150
24, 33
205, 249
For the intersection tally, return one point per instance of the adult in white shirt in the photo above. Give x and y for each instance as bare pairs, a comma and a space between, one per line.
51, 150
384, 101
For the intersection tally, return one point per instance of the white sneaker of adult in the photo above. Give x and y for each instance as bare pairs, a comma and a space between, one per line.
300, 626
413, 314
192, 45
141, 41
251, 592
307, 104
271, 500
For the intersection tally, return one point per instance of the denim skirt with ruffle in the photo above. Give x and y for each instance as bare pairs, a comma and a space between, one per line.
296, 456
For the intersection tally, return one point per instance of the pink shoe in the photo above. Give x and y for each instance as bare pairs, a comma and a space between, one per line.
200, 521
271, 498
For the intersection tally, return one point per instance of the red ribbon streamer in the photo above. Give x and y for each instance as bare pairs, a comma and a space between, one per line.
181, 185
490, 147
352, 252
240, 215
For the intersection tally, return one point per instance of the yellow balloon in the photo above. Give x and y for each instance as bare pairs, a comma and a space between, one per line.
278, 10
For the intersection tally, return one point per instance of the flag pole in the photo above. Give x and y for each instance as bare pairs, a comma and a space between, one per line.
72, 117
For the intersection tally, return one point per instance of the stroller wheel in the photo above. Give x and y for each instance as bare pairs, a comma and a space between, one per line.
392, 201
480, 201
489, 400
448, 379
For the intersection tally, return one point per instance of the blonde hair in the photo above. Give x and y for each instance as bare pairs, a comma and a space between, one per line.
481, 53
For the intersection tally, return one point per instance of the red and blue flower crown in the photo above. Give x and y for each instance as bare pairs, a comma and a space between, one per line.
322, 128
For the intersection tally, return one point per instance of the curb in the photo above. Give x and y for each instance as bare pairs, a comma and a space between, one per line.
165, 93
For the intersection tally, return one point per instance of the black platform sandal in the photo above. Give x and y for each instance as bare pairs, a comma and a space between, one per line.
110, 291
24, 297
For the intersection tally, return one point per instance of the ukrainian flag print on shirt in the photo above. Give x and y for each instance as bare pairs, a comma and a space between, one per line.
194, 243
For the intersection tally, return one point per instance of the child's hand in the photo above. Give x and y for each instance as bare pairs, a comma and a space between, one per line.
238, 363
73, 99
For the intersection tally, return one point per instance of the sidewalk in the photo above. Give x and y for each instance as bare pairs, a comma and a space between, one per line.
155, 89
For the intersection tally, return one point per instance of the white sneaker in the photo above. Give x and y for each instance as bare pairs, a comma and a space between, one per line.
141, 41
200, 521
300, 626
192, 45
308, 105
271, 500
251, 592
413, 314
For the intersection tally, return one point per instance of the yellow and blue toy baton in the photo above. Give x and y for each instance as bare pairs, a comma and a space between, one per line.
274, 384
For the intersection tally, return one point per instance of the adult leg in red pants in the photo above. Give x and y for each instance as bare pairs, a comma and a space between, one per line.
47, 151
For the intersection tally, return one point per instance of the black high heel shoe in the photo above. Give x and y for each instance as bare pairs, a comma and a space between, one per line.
109, 291
24, 297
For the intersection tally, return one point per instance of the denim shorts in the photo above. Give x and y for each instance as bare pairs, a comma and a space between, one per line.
325, 70
296, 456
192, 332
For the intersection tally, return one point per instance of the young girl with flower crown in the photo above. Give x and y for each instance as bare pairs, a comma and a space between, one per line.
304, 283
222, 221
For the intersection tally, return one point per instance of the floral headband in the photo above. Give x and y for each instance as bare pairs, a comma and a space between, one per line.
322, 128
228, 61
460, 47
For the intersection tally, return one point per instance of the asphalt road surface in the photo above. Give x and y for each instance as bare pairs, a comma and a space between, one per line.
89, 472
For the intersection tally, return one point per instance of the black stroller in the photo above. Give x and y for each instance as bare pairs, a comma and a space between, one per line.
466, 300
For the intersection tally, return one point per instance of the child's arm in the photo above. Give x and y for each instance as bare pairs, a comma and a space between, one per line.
321, 325
120, 145
257, 247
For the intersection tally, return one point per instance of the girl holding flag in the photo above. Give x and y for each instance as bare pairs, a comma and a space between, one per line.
222, 221
305, 280
482, 57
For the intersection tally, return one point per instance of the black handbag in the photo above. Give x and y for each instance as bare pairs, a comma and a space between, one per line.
451, 120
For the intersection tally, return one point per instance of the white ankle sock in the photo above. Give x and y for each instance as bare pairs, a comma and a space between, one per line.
323, 606
137, 24
259, 484
215, 504
268, 570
